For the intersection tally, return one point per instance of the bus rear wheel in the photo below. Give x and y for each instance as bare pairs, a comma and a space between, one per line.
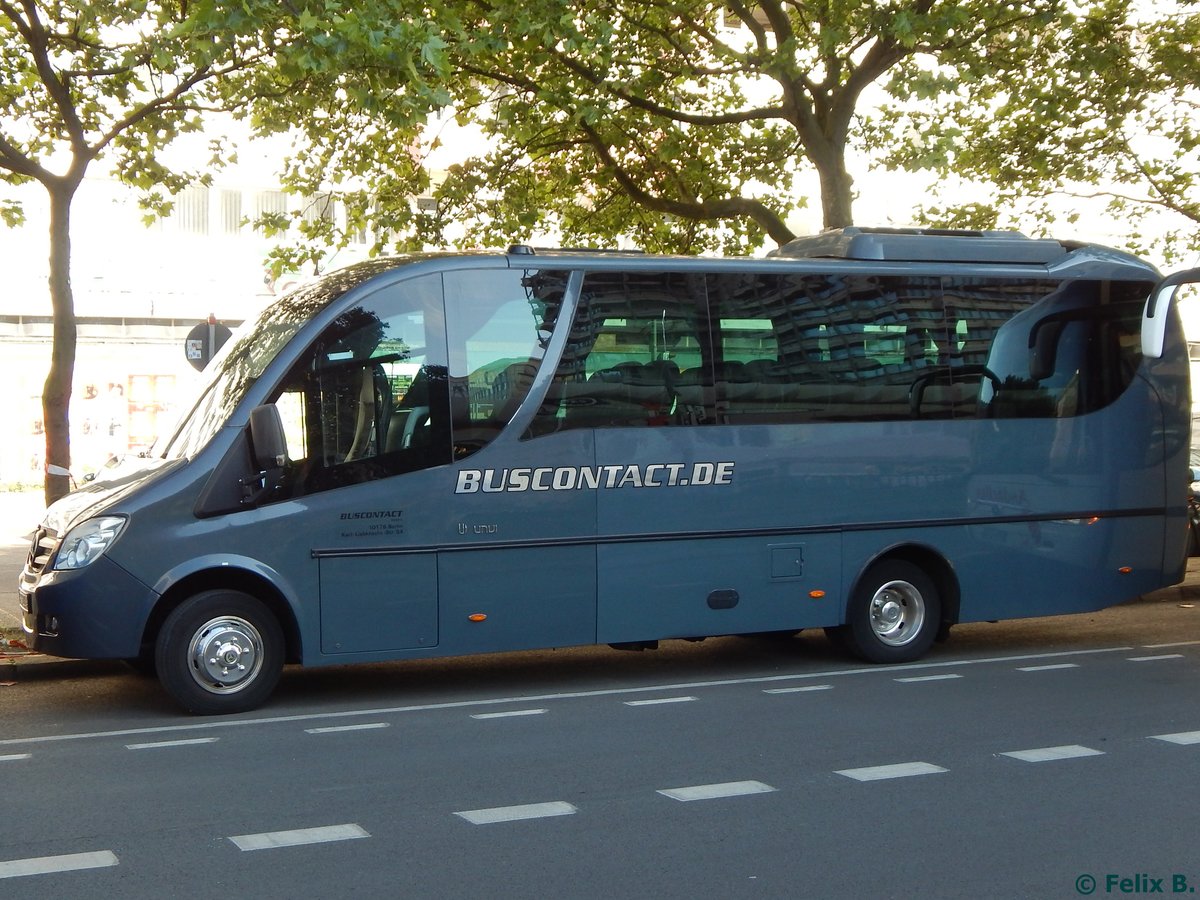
220, 652
894, 614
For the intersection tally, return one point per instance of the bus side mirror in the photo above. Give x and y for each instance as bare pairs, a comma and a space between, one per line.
267, 439
1154, 316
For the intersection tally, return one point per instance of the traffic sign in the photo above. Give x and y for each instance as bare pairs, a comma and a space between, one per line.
203, 342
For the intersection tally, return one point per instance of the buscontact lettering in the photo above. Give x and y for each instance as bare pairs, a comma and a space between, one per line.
591, 478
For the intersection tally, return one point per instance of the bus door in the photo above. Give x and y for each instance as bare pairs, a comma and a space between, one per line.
365, 415
383, 415
518, 569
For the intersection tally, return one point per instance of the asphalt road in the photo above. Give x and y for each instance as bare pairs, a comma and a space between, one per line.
1018, 760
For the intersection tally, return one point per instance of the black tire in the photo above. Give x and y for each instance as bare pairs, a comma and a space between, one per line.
894, 614
246, 645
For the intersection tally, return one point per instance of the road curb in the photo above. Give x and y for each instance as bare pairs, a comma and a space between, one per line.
39, 667
19, 663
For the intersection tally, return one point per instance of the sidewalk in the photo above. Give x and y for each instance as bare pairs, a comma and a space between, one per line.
20, 511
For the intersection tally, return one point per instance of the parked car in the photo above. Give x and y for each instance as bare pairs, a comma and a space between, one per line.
1194, 513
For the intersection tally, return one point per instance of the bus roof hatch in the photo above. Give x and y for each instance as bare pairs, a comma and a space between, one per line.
924, 245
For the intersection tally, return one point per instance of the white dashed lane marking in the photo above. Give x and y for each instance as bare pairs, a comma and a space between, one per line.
337, 729
1049, 754
271, 840
494, 815
1182, 737
47, 865
799, 690
517, 813
916, 678
717, 791
509, 714
1155, 658
13, 757
1048, 668
898, 770
659, 701
156, 745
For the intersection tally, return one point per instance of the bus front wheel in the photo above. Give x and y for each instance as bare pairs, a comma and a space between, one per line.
893, 615
220, 651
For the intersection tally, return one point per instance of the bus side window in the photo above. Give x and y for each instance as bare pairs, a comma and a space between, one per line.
499, 322
815, 347
1069, 355
369, 398
635, 356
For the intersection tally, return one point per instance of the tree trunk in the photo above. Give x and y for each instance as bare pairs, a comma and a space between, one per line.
56, 395
837, 195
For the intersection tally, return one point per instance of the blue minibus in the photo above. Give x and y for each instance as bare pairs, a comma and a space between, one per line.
877, 432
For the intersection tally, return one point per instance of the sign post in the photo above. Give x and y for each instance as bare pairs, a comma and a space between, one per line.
203, 342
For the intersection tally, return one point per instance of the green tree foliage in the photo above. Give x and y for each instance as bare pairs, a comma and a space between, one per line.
1109, 112
121, 79
688, 123
695, 126
356, 98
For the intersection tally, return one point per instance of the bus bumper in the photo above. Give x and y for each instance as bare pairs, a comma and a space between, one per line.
98, 612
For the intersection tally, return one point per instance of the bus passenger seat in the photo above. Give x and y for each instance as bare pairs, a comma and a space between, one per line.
629, 393
412, 413
689, 388
651, 388
604, 399
364, 419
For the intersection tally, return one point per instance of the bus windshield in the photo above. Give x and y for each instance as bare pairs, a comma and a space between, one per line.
241, 361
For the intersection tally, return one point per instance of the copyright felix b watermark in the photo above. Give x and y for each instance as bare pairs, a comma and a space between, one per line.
1141, 883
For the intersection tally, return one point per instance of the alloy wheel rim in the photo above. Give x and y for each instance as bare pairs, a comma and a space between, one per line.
897, 613
225, 654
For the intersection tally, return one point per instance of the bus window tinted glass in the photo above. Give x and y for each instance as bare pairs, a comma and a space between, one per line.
754, 347
370, 398
792, 348
499, 322
636, 355
1073, 352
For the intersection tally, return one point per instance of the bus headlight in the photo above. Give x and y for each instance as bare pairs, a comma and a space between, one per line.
85, 543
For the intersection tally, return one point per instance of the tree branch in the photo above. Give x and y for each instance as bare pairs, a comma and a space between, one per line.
1164, 196
35, 36
168, 101
729, 208
666, 112
15, 161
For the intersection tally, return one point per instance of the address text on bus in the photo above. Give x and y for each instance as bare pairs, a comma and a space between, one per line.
578, 478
